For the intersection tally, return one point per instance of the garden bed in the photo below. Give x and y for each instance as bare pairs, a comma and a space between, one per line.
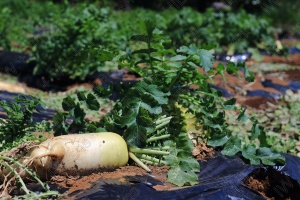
135, 177
106, 109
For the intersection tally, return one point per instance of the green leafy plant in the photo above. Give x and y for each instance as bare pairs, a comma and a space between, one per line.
167, 76
237, 31
75, 110
15, 129
280, 122
7, 181
183, 27
21, 20
78, 41
76, 46
152, 114
4, 41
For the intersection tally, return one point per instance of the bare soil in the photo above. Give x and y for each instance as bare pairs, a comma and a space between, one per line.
80, 183
121, 174
291, 60
12, 87
238, 86
73, 184
273, 185
293, 74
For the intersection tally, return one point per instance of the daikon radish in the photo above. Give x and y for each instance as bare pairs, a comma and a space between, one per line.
78, 154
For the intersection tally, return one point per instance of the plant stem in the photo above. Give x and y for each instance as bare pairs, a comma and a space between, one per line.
208, 94
175, 79
149, 162
139, 162
152, 159
42, 195
26, 169
152, 139
7, 158
159, 132
159, 121
47, 194
162, 125
18, 177
148, 151
150, 58
161, 148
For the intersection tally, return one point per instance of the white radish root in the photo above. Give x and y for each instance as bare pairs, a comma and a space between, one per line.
77, 154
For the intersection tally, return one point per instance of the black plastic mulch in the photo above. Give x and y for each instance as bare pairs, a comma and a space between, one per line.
221, 177
45, 114
19, 64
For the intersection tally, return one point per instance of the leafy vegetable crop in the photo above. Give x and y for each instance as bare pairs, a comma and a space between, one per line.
281, 123
243, 31
73, 41
156, 115
15, 129
164, 91
74, 109
76, 46
4, 42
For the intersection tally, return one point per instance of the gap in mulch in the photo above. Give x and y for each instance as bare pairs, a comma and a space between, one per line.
273, 185
73, 184
293, 74
287, 75
259, 103
293, 59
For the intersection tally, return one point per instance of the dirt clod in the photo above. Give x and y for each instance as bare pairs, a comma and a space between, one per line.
202, 151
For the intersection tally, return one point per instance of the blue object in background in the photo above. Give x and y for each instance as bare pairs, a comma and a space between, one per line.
280, 88
225, 93
294, 85
263, 93
294, 50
